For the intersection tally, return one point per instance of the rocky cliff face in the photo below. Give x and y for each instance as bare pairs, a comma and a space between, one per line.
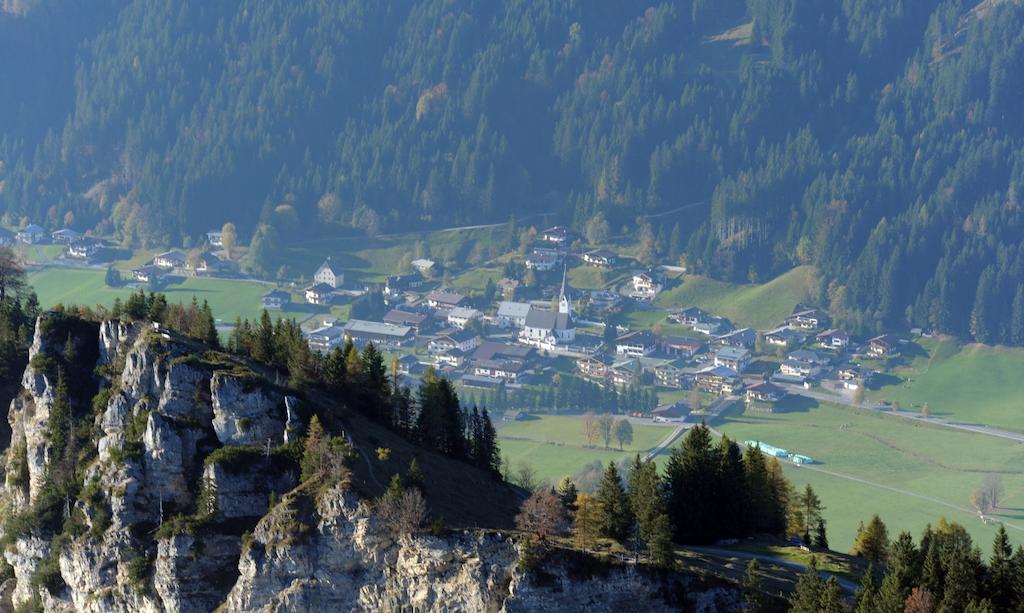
174, 432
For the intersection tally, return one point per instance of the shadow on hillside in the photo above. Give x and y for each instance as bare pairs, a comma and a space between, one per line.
883, 380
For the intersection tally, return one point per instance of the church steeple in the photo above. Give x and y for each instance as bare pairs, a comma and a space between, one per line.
564, 305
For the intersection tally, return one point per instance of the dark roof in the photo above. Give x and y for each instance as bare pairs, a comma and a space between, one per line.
548, 320
489, 350
329, 265
601, 253
398, 316
644, 337
320, 288
458, 336
277, 293
445, 297
766, 388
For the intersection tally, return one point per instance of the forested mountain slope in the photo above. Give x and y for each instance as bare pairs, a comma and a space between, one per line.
877, 139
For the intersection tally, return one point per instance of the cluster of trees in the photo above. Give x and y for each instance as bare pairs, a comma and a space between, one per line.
942, 571
706, 493
195, 320
19, 308
571, 393
877, 141
433, 417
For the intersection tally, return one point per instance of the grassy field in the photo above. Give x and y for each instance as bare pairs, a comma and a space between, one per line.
373, 258
759, 306
228, 299
973, 383
909, 474
554, 444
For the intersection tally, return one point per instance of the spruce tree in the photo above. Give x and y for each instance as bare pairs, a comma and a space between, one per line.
692, 496
616, 519
867, 593
832, 597
645, 500
807, 595
568, 493
820, 537
961, 580
731, 498
753, 596
901, 576
999, 582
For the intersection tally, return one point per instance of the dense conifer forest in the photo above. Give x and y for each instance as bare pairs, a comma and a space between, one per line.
879, 140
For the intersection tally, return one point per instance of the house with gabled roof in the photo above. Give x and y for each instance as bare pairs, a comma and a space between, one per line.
320, 294
275, 300
884, 346
329, 274
65, 236
444, 300
673, 375
636, 344
170, 259
718, 380
31, 234
765, 392
558, 235
601, 257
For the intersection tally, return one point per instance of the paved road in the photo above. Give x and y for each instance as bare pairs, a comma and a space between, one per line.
846, 584
909, 415
665, 444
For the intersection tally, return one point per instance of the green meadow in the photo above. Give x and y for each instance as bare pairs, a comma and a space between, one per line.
759, 306
910, 474
554, 445
227, 298
972, 383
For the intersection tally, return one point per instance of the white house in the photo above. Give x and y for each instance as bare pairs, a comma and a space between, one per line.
215, 238
645, 286
422, 265
325, 339
462, 340
320, 293
513, 314
170, 259
329, 274
735, 358
542, 259
461, 316
31, 234
636, 344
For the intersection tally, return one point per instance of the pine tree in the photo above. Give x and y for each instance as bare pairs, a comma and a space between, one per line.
961, 580
615, 516
753, 596
867, 593
933, 572
809, 590
414, 476
692, 497
659, 542
731, 499
568, 493
820, 537
901, 576
313, 449
872, 541
999, 582
832, 597
645, 500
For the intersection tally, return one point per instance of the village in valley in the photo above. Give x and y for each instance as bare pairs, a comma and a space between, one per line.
580, 352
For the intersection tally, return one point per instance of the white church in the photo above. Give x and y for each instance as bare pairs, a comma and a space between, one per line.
548, 329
